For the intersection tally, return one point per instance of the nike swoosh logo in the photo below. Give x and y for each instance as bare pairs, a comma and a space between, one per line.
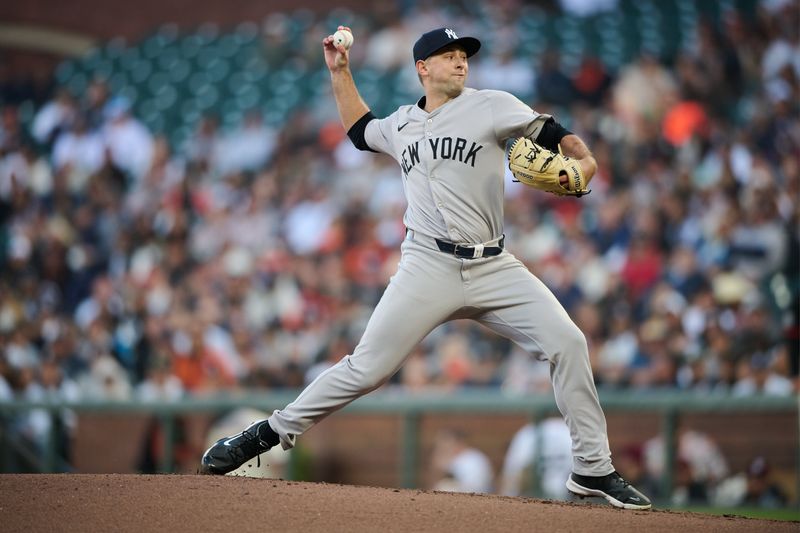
227, 442
401, 127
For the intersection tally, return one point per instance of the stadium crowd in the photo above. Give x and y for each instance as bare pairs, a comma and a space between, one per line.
250, 257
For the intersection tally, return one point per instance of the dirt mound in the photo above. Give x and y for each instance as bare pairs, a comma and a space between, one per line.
112, 502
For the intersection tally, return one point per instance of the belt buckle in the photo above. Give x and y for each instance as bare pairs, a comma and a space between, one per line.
476, 251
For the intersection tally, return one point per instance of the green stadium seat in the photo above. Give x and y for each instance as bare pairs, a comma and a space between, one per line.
127, 59
248, 96
249, 56
65, 70
117, 81
154, 46
129, 92
207, 97
300, 21
190, 46
25, 113
237, 80
343, 16
91, 58
197, 81
140, 71
188, 107
114, 49
179, 72
228, 46
178, 137
156, 82
166, 97
218, 69
77, 83
168, 57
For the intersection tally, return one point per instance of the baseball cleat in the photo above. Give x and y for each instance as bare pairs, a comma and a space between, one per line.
229, 453
612, 487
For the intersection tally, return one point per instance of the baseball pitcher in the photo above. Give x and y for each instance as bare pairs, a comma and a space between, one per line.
450, 146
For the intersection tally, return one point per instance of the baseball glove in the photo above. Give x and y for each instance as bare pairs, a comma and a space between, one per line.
542, 169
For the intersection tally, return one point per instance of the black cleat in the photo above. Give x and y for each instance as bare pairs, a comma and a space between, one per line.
612, 487
228, 454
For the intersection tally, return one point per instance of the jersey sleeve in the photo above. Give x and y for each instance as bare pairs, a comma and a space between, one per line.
379, 134
513, 118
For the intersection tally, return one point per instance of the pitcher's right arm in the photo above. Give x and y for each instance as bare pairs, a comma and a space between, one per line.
349, 102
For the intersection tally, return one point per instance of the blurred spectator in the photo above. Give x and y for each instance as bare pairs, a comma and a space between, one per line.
308, 223
106, 380
700, 465
755, 487
642, 94
591, 81
55, 117
458, 466
200, 367
456, 361
553, 86
160, 384
248, 147
540, 455
683, 121
501, 70
643, 265
758, 377
329, 356
388, 48
128, 141
94, 105
35, 426
415, 374
201, 147
586, 8
12, 135
79, 153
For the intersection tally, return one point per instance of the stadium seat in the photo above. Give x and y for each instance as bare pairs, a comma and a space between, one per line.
187, 74
77, 83
65, 70
140, 71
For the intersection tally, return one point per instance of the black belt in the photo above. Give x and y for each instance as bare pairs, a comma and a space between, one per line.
471, 251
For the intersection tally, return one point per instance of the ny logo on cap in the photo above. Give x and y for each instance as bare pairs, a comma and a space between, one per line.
450, 33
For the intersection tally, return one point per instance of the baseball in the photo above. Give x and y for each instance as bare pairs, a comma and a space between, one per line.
344, 38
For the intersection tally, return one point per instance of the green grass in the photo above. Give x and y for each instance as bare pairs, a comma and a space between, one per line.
792, 515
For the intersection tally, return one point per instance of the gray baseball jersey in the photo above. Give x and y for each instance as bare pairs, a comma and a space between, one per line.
452, 163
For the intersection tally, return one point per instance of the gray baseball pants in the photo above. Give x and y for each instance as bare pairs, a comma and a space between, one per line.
431, 287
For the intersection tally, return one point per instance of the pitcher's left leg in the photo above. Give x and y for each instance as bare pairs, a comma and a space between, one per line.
524, 310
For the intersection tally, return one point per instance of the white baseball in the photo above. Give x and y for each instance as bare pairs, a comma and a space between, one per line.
344, 38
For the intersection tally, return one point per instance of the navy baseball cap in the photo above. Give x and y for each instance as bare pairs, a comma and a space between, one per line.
435, 40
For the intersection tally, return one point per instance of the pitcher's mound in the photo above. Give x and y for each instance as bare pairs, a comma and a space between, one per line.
84, 502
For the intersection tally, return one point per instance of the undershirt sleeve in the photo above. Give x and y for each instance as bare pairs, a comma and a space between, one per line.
551, 134
357, 130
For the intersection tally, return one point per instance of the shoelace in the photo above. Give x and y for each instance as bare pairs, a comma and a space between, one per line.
250, 440
622, 480
625, 484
